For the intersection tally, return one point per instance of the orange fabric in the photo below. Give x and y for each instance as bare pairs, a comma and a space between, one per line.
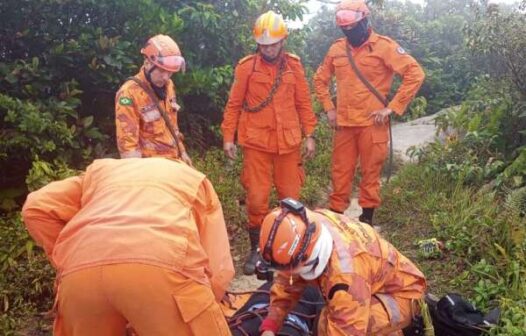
278, 127
379, 319
149, 211
379, 59
103, 300
234, 303
368, 145
260, 169
141, 130
366, 266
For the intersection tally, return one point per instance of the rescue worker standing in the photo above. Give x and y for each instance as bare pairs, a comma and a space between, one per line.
270, 107
361, 119
369, 287
142, 130
150, 249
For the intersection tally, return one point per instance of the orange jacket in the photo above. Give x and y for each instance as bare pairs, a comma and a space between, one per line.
278, 127
150, 211
141, 130
379, 58
361, 265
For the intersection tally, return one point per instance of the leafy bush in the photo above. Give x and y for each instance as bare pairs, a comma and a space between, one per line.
26, 277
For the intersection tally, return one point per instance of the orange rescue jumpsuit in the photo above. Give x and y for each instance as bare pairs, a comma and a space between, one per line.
139, 240
369, 287
141, 130
270, 138
379, 59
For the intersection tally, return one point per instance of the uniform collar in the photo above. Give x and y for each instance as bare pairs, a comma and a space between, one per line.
262, 64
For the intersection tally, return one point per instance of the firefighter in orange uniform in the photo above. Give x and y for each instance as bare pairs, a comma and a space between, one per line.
360, 118
141, 128
369, 287
149, 249
270, 108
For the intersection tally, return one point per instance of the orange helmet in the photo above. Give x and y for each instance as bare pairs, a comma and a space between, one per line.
287, 237
270, 28
351, 11
164, 53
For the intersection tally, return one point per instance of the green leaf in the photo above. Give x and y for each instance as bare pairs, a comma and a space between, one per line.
87, 121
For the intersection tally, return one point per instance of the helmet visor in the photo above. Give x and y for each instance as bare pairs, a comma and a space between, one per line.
346, 17
171, 63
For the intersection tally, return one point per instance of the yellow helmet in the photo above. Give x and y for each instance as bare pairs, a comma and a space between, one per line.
270, 28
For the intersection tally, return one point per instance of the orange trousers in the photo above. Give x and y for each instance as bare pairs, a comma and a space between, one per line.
388, 316
367, 144
103, 300
260, 169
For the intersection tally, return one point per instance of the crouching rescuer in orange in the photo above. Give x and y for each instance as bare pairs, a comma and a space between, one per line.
129, 247
270, 108
369, 287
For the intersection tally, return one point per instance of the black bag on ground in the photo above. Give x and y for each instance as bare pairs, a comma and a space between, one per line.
301, 321
454, 316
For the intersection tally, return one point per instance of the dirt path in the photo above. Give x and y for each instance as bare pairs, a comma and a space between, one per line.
417, 132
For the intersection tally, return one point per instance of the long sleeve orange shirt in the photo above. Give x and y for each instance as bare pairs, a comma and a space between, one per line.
152, 211
141, 129
379, 59
364, 264
278, 127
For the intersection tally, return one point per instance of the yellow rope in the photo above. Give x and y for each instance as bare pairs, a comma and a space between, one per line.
429, 330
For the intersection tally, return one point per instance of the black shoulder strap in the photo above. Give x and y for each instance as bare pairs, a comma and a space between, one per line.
155, 100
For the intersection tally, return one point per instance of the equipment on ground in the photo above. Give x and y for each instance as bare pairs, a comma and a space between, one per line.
301, 321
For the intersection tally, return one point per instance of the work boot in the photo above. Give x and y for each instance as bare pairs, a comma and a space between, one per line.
367, 216
250, 264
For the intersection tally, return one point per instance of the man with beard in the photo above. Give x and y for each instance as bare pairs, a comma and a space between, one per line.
270, 108
361, 117
146, 106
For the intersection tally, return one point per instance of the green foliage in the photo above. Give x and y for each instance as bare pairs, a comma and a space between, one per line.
47, 129
317, 181
484, 237
484, 140
497, 39
418, 108
224, 175
42, 173
26, 277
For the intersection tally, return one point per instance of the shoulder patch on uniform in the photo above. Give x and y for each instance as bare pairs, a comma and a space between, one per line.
125, 101
246, 58
401, 50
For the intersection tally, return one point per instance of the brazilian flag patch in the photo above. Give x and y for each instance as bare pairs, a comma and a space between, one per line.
126, 101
